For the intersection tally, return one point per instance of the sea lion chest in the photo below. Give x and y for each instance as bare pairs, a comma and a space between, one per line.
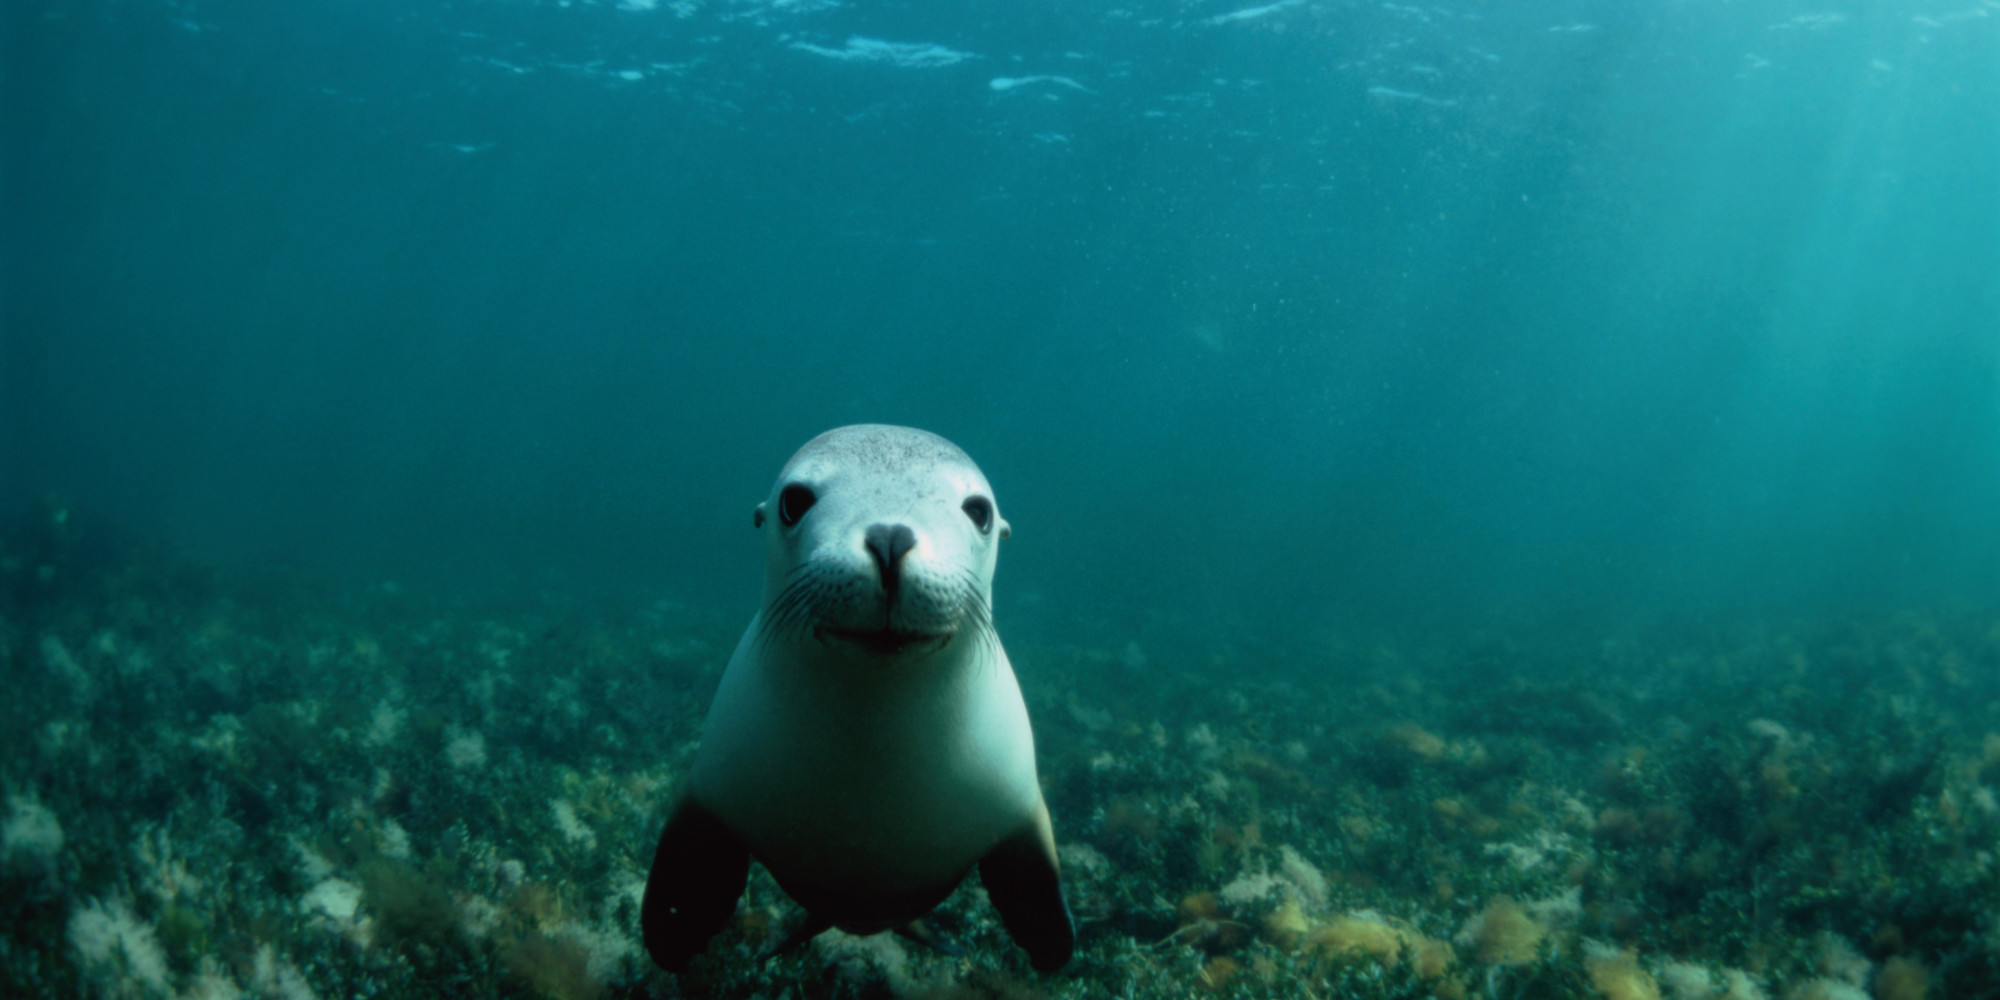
868, 779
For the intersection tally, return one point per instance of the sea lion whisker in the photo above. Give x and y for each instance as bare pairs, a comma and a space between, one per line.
976, 616
977, 608
788, 611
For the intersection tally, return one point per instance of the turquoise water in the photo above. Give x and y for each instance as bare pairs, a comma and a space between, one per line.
1586, 387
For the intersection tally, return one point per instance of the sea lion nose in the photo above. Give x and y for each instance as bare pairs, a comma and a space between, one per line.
888, 543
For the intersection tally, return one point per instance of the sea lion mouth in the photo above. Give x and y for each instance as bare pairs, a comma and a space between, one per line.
886, 641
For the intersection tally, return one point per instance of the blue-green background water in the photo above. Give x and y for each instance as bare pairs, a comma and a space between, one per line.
1310, 315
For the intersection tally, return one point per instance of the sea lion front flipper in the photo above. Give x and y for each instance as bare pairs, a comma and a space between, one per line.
1022, 878
699, 871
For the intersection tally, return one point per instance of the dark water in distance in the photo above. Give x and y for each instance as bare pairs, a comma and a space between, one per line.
1291, 314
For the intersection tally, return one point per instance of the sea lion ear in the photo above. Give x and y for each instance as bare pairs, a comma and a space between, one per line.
757, 517
1006, 530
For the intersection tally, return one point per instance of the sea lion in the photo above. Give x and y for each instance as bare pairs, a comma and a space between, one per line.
868, 744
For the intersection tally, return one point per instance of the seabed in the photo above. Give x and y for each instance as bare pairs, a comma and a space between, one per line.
217, 790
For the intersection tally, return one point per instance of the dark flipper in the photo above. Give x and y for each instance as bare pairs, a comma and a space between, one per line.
698, 873
1022, 879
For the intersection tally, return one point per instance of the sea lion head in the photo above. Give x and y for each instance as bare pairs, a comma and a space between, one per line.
880, 540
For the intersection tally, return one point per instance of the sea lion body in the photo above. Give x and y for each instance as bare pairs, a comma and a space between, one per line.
904, 779
868, 744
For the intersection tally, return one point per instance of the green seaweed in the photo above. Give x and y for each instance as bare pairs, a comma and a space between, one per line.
1727, 794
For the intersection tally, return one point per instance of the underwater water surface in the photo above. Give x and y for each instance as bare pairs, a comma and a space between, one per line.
1503, 494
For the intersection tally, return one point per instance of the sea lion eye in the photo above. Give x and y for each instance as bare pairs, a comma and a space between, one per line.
980, 510
793, 502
